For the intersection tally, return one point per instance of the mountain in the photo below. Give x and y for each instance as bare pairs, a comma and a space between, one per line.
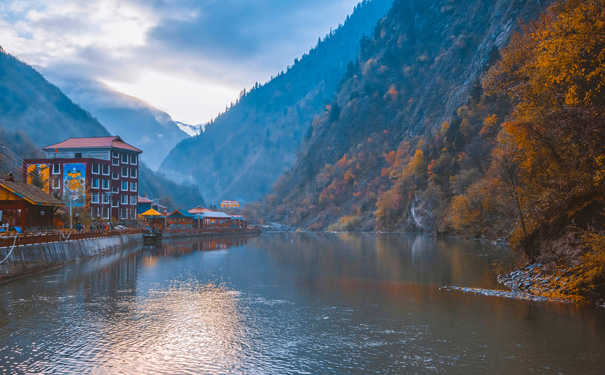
155, 131
34, 113
29, 103
241, 153
410, 127
191, 130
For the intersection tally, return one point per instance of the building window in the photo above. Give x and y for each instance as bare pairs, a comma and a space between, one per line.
115, 154
105, 184
124, 158
105, 198
124, 185
115, 161
133, 173
133, 186
94, 198
115, 176
123, 213
115, 203
105, 168
124, 172
105, 212
115, 189
133, 159
124, 199
78, 155
95, 183
56, 183
56, 168
95, 168
133, 200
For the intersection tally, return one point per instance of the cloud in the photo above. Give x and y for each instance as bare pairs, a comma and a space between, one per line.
205, 45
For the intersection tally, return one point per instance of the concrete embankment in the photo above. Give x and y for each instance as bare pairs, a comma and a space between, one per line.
39, 257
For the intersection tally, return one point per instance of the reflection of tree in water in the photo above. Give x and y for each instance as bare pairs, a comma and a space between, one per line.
385, 261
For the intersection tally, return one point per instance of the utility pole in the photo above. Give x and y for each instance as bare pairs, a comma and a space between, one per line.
110, 194
71, 199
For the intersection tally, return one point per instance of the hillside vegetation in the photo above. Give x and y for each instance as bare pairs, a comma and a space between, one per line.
406, 132
29, 103
244, 150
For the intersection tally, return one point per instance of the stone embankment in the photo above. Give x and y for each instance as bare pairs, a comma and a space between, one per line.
26, 259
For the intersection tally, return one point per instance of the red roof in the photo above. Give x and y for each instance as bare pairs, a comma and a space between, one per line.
199, 210
144, 200
94, 142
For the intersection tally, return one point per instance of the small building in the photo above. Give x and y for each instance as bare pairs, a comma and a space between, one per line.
229, 204
212, 219
180, 220
153, 217
26, 206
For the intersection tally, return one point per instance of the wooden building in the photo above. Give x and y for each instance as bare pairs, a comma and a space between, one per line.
26, 206
229, 204
213, 219
180, 220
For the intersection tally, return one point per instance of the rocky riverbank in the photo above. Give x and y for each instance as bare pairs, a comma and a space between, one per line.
540, 283
553, 283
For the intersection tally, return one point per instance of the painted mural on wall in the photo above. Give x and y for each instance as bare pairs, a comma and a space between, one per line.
74, 184
38, 175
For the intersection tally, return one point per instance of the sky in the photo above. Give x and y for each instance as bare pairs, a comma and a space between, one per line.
189, 58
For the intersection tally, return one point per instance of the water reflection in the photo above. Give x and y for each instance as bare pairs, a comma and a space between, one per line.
290, 304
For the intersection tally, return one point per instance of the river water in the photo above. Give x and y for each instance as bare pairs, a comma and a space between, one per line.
292, 304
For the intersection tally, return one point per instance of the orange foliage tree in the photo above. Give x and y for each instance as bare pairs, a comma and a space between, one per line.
554, 74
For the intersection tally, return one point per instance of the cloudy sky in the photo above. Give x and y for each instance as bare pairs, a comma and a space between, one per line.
189, 58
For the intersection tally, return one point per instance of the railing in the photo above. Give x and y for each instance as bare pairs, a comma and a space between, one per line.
66, 235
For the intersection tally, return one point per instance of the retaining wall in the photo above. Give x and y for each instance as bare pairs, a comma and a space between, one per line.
35, 258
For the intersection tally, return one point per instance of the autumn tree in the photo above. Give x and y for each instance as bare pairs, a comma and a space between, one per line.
554, 74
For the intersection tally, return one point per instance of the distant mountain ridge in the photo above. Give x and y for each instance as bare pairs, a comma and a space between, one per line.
242, 152
155, 131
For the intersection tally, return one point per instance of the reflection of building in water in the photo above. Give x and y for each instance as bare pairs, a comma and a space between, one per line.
201, 244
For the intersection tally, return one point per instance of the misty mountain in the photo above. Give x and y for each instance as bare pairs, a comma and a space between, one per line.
242, 152
34, 113
129, 117
191, 130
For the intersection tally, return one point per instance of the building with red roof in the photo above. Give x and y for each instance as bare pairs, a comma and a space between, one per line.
99, 173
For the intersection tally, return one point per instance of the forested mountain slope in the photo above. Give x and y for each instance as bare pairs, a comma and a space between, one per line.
29, 103
407, 130
243, 151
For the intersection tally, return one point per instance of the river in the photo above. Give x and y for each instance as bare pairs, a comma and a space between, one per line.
292, 304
